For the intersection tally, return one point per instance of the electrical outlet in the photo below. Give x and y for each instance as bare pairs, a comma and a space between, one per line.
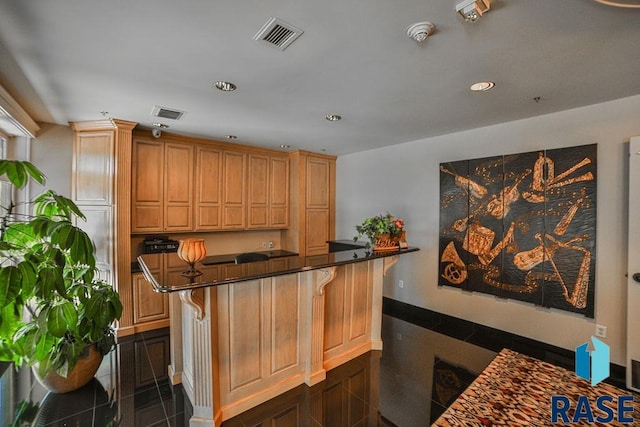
270, 244
401, 283
601, 331
264, 244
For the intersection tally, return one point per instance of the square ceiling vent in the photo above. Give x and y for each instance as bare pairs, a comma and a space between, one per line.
278, 34
167, 113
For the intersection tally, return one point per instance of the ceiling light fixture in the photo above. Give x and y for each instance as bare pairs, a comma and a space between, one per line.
631, 4
231, 137
482, 86
285, 146
161, 125
225, 86
472, 10
420, 31
333, 117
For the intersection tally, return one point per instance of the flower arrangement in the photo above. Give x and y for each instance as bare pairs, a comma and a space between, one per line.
384, 231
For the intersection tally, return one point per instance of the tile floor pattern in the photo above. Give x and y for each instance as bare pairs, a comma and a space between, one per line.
410, 383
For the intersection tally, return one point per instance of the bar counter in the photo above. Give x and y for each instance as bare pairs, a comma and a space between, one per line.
228, 271
244, 333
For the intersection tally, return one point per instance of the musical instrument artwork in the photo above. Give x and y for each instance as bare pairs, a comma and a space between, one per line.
476, 190
522, 227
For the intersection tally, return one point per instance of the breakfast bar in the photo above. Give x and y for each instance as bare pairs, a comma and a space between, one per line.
245, 332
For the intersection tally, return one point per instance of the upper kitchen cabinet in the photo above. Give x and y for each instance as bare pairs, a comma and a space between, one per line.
220, 180
162, 186
178, 187
208, 188
268, 205
313, 210
183, 184
234, 196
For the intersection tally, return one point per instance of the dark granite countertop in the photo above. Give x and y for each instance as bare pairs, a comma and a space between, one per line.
225, 259
230, 258
220, 270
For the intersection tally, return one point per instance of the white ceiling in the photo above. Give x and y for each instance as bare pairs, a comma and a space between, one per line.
69, 60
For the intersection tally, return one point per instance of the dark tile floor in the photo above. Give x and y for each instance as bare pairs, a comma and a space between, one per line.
428, 359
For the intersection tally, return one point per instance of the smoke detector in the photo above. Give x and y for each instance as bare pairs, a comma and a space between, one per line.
420, 31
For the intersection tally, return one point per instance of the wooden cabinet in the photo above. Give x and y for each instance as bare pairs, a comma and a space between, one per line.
150, 309
147, 186
178, 187
268, 205
185, 184
148, 305
101, 187
313, 210
234, 167
207, 185
318, 205
258, 191
162, 187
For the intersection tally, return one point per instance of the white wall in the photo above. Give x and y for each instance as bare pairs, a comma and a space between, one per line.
404, 179
52, 153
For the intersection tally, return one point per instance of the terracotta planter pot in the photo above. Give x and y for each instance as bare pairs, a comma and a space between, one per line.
386, 242
77, 377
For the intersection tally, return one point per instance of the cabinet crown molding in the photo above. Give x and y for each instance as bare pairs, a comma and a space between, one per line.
102, 124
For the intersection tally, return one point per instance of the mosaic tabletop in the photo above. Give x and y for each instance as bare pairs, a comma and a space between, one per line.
517, 390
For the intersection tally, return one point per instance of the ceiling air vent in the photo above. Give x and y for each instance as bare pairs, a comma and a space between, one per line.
167, 113
278, 33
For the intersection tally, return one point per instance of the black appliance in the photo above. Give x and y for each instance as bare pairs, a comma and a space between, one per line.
160, 244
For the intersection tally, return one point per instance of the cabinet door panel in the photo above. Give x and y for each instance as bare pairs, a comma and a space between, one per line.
147, 192
149, 161
317, 230
318, 173
148, 305
93, 168
178, 217
279, 193
178, 187
258, 191
147, 218
233, 187
246, 305
208, 198
96, 225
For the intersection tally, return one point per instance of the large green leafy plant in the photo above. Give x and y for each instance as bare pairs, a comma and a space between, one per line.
52, 305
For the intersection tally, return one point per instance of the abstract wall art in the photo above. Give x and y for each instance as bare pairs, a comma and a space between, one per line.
522, 226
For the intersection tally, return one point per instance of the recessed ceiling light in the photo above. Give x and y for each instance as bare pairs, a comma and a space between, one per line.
160, 125
482, 86
333, 117
225, 86
631, 4
231, 137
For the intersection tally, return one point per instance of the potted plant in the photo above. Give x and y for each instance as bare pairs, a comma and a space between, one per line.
385, 232
55, 314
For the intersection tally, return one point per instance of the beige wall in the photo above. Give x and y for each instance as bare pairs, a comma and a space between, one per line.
404, 179
52, 152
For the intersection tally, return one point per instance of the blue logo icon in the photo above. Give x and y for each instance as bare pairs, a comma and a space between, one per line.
593, 365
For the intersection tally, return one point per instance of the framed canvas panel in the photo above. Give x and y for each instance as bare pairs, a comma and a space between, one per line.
522, 227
